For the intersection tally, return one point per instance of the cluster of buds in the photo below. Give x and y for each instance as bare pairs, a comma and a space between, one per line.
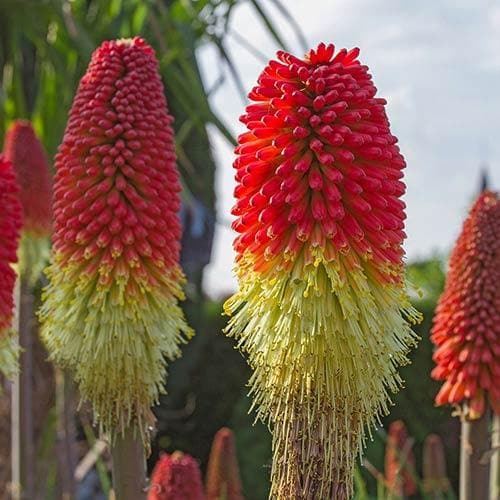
322, 311
111, 310
466, 328
10, 227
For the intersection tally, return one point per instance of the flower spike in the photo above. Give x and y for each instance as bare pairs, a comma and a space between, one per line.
10, 227
110, 312
322, 310
25, 151
466, 329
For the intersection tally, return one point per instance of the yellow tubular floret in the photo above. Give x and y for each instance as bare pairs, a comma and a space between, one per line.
114, 337
324, 343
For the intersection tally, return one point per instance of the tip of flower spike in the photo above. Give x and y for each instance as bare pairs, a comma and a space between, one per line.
176, 477
309, 169
26, 152
135, 42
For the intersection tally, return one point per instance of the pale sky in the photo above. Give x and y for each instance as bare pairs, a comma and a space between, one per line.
438, 65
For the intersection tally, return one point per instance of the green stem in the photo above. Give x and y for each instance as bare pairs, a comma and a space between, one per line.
129, 467
475, 444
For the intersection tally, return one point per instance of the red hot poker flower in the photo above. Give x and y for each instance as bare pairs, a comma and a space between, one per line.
23, 148
176, 477
223, 477
466, 328
399, 461
10, 226
435, 478
322, 310
26, 153
111, 309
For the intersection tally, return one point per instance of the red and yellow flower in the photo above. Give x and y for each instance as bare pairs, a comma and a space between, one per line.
466, 328
10, 227
322, 311
111, 309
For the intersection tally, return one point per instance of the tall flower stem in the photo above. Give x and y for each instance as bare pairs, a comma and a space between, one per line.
495, 458
23, 446
66, 434
129, 466
474, 445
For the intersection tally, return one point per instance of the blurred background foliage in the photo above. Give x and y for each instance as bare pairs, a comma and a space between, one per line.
45, 46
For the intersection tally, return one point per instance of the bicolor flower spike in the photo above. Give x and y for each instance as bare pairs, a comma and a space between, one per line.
466, 329
111, 311
25, 151
322, 310
10, 227
176, 477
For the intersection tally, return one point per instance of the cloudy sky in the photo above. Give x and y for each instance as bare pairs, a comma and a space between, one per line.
437, 64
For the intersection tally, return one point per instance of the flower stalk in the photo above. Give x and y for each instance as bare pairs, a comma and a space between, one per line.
129, 467
475, 445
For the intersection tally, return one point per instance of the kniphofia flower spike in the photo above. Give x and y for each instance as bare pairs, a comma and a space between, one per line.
223, 477
110, 311
466, 328
322, 302
25, 151
10, 227
399, 464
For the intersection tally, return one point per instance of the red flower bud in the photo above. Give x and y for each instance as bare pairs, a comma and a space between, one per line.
176, 477
399, 461
223, 477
